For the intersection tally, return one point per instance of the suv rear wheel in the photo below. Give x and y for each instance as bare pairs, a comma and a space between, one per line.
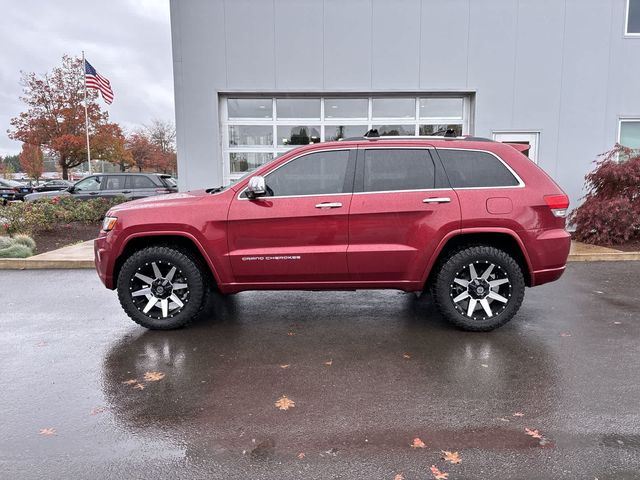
161, 288
479, 288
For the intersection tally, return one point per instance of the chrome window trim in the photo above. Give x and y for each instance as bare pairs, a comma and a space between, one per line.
329, 149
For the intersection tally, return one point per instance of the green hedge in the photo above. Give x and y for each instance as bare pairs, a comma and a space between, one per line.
45, 214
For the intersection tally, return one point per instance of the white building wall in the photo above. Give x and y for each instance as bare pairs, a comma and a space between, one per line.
560, 67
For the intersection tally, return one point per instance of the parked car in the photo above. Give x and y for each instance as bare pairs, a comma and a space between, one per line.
107, 185
53, 186
13, 190
471, 220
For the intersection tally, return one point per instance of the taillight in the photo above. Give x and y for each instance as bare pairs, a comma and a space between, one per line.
558, 204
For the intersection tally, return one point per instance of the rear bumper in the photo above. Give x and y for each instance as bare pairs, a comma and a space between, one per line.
548, 250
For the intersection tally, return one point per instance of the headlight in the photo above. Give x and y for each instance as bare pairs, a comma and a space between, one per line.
108, 223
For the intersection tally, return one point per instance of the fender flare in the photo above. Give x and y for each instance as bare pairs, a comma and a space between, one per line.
465, 231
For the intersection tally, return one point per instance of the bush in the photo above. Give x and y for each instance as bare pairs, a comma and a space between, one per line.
45, 214
610, 213
20, 246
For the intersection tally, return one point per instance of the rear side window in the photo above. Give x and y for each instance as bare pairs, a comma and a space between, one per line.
139, 182
314, 174
398, 169
468, 168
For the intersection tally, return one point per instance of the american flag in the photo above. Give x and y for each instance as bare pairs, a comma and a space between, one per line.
97, 81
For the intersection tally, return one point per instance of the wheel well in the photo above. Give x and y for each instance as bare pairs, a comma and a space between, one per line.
502, 241
174, 241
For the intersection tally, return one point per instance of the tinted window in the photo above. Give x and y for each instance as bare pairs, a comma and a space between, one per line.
399, 169
467, 168
314, 174
114, 183
633, 17
139, 181
90, 184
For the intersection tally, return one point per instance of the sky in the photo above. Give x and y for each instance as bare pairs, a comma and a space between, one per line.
127, 41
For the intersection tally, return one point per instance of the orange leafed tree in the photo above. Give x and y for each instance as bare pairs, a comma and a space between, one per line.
32, 160
143, 152
54, 117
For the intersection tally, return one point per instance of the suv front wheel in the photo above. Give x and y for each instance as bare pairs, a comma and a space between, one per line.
161, 287
479, 288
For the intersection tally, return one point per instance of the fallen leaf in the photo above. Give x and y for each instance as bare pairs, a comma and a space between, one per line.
285, 366
285, 403
533, 433
437, 474
139, 386
301, 455
153, 376
518, 414
332, 451
565, 334
97, 410
484, 365
502, 419
47, 432
453, 457
617, 323
406, 355
131, 381
329, 363
398, 476
417, 443
291, 334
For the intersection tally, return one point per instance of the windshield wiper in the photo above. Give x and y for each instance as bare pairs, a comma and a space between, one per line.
214, 190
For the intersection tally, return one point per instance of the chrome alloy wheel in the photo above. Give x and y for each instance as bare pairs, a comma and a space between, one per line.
480, 290
156, 294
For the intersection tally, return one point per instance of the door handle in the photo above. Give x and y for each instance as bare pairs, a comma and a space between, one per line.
436, 200
329, 205
93, 193
126, 191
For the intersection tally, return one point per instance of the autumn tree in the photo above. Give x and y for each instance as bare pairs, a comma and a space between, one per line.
162, 134
54, 117
109, 144
143, 152
32, 160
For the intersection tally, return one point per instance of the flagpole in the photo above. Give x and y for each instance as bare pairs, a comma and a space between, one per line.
86, 114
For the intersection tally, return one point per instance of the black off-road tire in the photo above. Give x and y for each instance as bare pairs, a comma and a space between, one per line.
443, 287
191, 271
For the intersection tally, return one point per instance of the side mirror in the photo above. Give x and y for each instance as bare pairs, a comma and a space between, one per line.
71, 189
257, 187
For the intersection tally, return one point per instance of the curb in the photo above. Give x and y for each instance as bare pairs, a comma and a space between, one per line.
604, 257
27, 264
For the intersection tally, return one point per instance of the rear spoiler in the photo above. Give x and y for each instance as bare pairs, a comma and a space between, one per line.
521, 147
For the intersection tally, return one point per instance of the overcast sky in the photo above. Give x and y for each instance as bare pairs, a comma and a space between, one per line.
127, 41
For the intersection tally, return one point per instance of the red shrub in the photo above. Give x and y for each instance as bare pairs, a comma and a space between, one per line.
610, 213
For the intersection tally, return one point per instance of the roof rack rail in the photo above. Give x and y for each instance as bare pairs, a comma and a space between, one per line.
373, 135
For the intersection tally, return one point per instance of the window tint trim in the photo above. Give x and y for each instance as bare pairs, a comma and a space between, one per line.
521, 183
350, 171
627, 33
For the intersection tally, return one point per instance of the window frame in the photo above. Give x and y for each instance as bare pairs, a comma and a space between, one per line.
274, 149
621, 120
628, 34
351, 166
521, 183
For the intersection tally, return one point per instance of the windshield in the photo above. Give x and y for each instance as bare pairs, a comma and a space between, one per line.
170, 181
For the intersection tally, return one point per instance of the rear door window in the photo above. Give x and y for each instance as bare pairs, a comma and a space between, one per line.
474, 169
138, 182
114, 182
398, 169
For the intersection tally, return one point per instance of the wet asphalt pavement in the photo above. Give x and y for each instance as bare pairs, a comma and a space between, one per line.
368, 372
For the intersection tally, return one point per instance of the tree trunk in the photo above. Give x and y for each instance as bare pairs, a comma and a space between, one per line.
122, 167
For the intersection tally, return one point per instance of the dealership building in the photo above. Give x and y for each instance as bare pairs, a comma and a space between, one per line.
255, 78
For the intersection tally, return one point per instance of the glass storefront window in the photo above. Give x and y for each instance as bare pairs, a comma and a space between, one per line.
630, 133
395, 130
394, 108
250, 107
441, 107
249, 135
298, 135
298, 107
245, 161
338, 132
346, 107
439, 129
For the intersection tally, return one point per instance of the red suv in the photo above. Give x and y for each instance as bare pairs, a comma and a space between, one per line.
472, 220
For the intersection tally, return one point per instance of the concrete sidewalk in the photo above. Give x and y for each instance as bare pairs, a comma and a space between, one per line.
81, 256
